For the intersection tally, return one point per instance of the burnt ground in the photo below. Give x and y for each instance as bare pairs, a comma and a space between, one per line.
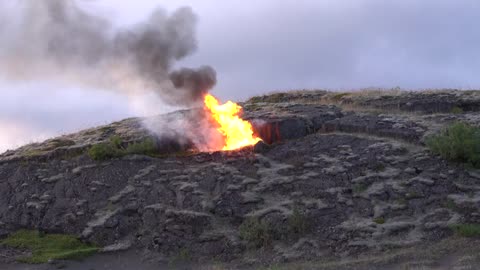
358, 178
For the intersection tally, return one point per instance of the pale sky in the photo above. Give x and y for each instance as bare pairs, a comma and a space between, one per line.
263, 46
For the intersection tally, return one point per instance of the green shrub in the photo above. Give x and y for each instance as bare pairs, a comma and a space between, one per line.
450, 204
116, 141
459, 142
45, 247
379, 220
145, 147
360, 187
456, 110
257, 233
104, 151
182, 256
467, 230
114, 148
297, 223
379, 167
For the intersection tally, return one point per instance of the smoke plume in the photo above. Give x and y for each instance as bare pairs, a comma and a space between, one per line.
56, 40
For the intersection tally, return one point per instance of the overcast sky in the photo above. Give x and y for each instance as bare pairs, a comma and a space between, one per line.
262, 46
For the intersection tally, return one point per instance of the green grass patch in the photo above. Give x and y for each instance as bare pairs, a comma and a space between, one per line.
45, 247
467, 230
115, 148
257, 233
459, 142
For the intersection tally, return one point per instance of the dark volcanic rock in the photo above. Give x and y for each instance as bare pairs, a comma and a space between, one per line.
376, 125
326, 181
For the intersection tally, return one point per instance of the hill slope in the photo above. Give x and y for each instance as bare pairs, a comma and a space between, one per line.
346, 175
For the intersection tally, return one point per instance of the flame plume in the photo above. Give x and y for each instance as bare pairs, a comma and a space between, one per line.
236, 132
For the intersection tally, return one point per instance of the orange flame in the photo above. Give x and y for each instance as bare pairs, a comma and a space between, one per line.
236, 132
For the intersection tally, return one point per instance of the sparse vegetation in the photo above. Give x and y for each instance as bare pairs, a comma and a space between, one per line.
182, 256
45, 247
34, 153
253, 106
103, 151
60, 142
114, 148
271, 98
297, 223
456, 110
450, 204
145, 147
359, 188
178, 154
36, 149
459, 142
412, 195
338, 97
257, 233
379, 220
467, 230
379, 167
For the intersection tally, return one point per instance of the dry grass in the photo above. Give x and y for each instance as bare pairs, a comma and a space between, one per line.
363, 93
356, 100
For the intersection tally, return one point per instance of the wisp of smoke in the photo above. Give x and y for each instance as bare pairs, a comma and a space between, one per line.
56, 40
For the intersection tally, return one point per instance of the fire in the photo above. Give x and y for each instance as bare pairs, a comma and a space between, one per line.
236, 132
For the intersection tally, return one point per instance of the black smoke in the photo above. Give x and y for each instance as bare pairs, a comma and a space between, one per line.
196, 81
55, 39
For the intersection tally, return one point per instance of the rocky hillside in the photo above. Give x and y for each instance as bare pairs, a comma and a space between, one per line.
343, 181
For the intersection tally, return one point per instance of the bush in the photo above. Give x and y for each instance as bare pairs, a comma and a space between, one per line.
45, 247
467, 230
182, 256
257, 233
145, 147
459, 142
114, 148
379, 220
456, 110
297, 223
104, 151
116, 141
